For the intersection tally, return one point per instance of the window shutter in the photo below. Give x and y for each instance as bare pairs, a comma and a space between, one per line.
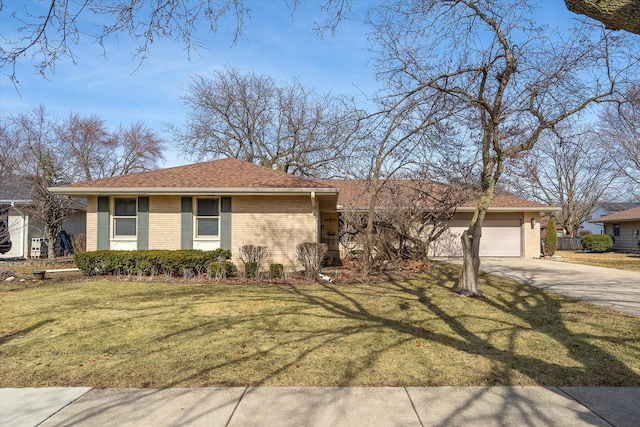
225, 223
186, 225
143, 223
103, 223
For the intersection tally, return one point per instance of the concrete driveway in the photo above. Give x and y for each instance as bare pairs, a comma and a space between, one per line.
616, 289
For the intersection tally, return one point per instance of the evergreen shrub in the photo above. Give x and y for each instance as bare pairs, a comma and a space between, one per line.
148, 262
596, 242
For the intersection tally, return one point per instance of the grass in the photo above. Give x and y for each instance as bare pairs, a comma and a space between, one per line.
620, 261
108, 333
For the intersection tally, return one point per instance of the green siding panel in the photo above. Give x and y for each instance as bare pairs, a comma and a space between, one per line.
225, 223
143, 223
103, 223
186, 226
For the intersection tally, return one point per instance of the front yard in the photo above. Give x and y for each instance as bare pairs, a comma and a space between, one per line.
620, 261
108, 333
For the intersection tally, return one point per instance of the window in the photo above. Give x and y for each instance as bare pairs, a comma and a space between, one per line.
616, 230
207, 218
124, 217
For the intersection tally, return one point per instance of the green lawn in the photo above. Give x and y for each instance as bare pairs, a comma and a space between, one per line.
108, 333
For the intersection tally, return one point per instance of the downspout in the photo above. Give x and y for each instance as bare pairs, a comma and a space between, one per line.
22, 228
314, 207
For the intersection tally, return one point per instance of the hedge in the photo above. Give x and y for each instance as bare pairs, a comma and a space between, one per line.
596, 242
148, 262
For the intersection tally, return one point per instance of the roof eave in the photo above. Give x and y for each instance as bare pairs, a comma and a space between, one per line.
603, 220
172, 191
472, 209
512, 209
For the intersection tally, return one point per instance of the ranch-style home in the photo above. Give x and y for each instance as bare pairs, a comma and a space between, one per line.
624, 226
225, 204
229, 203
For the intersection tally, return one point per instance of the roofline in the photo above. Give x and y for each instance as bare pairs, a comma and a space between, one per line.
512, 209
172, 191
472, 209
17, 201
600, 221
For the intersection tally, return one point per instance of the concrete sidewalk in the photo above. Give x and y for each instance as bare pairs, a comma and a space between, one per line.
319, 406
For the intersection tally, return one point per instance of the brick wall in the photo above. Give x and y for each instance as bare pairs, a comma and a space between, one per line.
277, 222
164, 222
92, 223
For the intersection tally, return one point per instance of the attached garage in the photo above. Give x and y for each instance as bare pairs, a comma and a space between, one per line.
500, 238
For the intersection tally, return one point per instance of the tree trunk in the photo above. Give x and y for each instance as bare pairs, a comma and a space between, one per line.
51, 238
468, 284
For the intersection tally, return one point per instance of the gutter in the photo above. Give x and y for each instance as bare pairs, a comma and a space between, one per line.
470, 209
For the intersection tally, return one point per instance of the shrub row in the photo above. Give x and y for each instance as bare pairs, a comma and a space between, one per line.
149, 262
596, 242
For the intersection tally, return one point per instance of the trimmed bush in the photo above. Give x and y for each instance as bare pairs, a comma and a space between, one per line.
220, 269
148, 262
250, 269
276, 271
551, 238
597, 242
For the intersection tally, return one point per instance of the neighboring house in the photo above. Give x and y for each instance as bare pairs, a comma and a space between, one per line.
16, 196
602, 210
511, 227
217, 204
624, 226
544, 221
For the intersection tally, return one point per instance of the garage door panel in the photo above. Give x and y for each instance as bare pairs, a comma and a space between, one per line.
499, 239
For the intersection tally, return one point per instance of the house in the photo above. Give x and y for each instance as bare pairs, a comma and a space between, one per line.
229, 203
16, 199
511, 227
602, 210
624, 226
224, 203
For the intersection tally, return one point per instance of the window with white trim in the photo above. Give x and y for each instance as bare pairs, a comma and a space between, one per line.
616, 230
207, 217
125, 211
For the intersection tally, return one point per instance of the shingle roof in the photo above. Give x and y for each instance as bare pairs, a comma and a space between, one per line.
216, 174
15, 188
355, 194
632, 214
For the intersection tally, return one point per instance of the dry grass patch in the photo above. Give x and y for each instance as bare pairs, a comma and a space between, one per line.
620, 261
416, 332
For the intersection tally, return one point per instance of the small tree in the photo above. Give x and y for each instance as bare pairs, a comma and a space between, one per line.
311, 255
551, 238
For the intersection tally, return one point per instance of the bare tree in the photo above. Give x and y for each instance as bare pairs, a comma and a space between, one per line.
619, 128
506, 79
570, 168
410, 215
135, 148
52, 153
87, 144
251, 117
615, 14
51, 30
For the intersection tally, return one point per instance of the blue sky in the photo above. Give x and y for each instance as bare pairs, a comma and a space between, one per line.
275, 44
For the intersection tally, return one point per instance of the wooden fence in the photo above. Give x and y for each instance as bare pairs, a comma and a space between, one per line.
569, 244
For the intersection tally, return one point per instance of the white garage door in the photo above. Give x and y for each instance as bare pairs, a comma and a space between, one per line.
500, 238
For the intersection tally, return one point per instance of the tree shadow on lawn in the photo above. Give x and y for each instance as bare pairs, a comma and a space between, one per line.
519, 313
